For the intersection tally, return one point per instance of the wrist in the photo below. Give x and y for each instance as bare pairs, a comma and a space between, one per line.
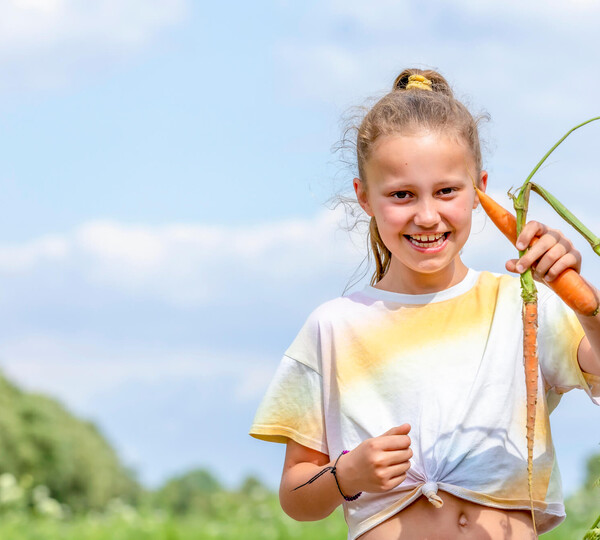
344, 477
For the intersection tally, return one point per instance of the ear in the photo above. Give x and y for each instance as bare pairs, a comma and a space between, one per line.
361, 196
482, 185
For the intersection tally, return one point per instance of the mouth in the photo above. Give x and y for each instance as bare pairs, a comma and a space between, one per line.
427, 241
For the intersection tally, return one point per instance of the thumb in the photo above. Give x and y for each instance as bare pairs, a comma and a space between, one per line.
511, 265
399, 430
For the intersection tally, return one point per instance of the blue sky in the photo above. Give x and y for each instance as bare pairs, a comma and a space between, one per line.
166, 165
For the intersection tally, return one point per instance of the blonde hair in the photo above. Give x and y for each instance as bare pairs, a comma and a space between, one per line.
407, 111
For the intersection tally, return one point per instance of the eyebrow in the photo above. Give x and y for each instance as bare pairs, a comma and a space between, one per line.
437, 183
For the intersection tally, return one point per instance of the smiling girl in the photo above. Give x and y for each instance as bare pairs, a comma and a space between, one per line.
405, 402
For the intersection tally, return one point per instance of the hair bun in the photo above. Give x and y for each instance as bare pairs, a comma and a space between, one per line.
422, 80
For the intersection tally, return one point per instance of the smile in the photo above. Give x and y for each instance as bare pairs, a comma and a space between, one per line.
427, 241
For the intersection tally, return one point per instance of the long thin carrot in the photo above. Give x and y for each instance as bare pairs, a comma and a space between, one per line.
573, 290
569, 285
530, 361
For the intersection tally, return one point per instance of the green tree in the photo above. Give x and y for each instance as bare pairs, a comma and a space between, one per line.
192, 492
39, 437
592, 477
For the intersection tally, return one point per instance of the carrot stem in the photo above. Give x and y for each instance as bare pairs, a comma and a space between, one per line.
521, 204
535, 169
568, 216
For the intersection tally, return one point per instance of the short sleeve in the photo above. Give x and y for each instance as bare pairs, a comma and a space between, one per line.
292, 407
559, 336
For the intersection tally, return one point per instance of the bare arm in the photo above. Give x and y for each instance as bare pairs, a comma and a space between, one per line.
377, 465
313, 501
588, 353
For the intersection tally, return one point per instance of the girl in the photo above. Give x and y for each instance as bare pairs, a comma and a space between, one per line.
405, 402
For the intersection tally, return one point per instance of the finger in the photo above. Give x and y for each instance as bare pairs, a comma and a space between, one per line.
395, 457
399, 470
396, 442
548, 259
404, 429
511, 265
395, 482
531, 230
394, 473
568, 261
535, 252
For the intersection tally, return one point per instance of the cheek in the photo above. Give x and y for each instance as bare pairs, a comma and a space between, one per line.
464, 221
393, 215
461, 215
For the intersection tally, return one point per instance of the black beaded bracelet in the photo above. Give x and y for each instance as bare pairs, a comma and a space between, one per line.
333, 471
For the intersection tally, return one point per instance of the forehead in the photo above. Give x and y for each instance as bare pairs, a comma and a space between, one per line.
423, 153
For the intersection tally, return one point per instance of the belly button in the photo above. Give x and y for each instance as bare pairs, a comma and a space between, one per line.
462, 520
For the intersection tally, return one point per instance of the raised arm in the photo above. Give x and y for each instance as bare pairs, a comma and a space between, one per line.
588, 353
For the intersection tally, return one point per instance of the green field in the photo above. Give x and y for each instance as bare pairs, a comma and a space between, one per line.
61, 480
251, 516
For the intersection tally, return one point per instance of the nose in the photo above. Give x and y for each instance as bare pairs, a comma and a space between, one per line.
426, 214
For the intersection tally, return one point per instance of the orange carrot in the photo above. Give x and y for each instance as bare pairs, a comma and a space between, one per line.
569, 285
530, 360
574, 291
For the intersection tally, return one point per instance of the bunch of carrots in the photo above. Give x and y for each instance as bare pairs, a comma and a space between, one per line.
569, 286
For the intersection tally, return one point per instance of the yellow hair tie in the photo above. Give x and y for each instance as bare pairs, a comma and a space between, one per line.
420, 82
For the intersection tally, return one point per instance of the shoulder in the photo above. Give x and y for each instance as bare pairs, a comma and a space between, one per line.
324, 322
340, 310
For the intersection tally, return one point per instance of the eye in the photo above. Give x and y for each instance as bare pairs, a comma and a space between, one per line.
447, 191
401, 194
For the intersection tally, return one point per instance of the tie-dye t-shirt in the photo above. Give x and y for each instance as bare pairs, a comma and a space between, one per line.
450, 364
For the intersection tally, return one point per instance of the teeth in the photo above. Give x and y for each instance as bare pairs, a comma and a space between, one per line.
427, 240
427, 237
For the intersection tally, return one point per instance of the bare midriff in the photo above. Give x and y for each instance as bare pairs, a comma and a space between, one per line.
456, 519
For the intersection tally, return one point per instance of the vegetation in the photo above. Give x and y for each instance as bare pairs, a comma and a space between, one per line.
42, 443
60, 480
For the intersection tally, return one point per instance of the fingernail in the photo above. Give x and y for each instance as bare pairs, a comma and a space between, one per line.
520, 268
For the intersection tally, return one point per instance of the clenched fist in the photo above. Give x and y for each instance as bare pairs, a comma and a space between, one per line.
378, 464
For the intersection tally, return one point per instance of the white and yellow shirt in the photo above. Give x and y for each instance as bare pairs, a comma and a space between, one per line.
451, 365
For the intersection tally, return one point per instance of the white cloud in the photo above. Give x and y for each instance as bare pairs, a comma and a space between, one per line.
531, 60
188, 264
78, 369
384, 15
29, 254
49, 43
195, 265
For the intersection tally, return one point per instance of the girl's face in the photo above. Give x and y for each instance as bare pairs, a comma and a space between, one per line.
419, 190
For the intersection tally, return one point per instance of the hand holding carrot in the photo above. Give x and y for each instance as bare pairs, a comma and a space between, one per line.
378, 464
569, 285
550, 254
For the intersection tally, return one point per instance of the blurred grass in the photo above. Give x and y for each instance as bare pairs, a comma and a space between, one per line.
256, 517
28, 512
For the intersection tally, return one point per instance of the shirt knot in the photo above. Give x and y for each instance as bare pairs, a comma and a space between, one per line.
430, 489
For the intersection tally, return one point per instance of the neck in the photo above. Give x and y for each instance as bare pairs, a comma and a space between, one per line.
402, 280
